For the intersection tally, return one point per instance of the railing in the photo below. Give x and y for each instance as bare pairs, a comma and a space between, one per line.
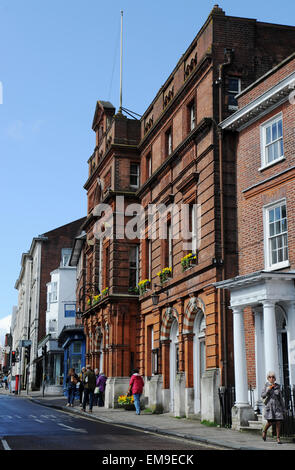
288, 425
227, 399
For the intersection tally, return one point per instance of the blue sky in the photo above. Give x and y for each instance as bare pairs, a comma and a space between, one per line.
56, 59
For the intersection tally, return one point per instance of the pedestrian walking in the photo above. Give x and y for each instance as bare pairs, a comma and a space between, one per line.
89, 387
136, 385
101, 384
96, 390
71, 381
274, 405
81, 385
5, 380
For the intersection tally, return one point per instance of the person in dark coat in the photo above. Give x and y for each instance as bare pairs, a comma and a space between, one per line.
71, 381
89, 387
81, 385
274, 405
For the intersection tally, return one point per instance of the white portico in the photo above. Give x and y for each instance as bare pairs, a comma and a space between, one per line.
271, 296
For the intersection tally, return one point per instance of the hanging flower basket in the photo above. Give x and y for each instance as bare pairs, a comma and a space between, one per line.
105, 292
96, 299
165, 274
188, 261
144, 286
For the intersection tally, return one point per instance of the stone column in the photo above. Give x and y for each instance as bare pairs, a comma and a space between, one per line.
241, 411
270, 337
259, 357
241, 383
291, 340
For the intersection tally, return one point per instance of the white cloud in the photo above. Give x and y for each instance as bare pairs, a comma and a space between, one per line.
18, 129
4, 328
15, 130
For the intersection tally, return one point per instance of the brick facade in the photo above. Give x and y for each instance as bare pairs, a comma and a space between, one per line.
179, 164
263, 185
256, 189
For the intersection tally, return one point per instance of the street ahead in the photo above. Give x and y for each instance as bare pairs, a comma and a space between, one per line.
25, 425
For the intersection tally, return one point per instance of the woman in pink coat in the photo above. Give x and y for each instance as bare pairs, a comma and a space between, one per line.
136, 385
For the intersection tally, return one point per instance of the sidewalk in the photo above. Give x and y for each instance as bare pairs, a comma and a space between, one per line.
169, 425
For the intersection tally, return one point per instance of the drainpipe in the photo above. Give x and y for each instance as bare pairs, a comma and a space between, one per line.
223, 320
123, 328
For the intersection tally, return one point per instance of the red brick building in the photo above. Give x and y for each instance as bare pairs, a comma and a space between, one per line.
111, 262
175, 156
263, 294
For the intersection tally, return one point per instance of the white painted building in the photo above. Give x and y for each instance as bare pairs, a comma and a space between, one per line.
61, 312
27, 313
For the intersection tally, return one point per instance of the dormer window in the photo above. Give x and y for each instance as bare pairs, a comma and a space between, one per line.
65, 256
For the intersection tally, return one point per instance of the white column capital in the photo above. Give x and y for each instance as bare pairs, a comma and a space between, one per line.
237, 308
269, 302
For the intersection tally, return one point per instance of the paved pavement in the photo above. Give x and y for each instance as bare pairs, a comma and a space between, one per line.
167, 424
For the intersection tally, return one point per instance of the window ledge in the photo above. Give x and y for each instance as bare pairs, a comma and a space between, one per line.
275, 267
274, 162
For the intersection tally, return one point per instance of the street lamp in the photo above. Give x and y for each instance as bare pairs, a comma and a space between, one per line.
156, 296
78, 313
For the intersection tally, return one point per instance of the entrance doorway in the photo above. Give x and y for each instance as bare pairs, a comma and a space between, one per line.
173, 361
199, 358
284, 374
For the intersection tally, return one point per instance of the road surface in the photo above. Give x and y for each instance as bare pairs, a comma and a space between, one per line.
25, 425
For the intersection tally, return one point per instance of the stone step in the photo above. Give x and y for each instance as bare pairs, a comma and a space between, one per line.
249, 429
255, 424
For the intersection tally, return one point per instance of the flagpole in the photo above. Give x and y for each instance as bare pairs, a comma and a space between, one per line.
121, 56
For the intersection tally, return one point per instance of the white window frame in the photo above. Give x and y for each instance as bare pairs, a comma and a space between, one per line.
134, 174
149, 242
149, 165
263, 126
65, 256
267, 253
170, 245
169, 141
231, 92
53, 292
192, 116
193, 215
136, 267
